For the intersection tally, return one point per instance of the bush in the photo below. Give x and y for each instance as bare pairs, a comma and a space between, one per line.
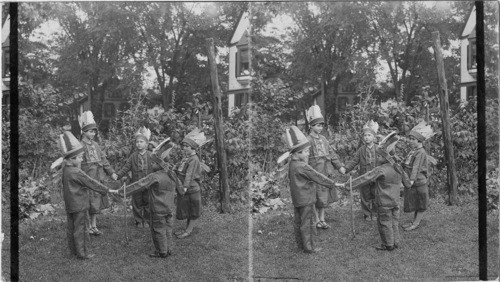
34, 198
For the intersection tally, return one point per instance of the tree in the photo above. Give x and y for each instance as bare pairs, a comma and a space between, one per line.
403, 34
173, 36
328, 39
97, 51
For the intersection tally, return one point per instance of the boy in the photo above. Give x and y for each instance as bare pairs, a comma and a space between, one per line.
76, 197
96, 166
302, 178
366, 158
189, 173
387, 184
141, 165
416, 197
160, 186
322, 159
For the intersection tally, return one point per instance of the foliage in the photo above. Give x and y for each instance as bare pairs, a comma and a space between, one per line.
402, 118
402, 31
265, 189
34, 198
41, 118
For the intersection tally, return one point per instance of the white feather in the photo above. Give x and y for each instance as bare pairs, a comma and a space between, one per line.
56, 164
283, 157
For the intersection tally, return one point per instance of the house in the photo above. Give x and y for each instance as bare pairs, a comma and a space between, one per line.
239, 64
468, 65
6, 61
114, 101
240, 76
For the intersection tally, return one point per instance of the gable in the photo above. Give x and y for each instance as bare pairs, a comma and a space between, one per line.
242, 26
470, 23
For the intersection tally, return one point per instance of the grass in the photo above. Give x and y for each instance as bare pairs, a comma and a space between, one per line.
216, 251
445, 247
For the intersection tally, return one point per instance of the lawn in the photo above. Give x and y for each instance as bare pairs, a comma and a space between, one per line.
217, 251
445, 247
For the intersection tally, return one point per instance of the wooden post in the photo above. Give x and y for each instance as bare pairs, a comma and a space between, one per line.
219, 129
445, 119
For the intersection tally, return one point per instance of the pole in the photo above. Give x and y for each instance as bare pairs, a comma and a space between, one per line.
352, 211
125, 213
219, 128
445, 118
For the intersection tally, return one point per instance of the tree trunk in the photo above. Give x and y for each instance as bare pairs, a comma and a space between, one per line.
219, 128
445, 118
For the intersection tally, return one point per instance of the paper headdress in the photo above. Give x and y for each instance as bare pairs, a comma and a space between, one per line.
195, 138
144, 133
422, 131
69, 145
86, 121
371, 127
314, 115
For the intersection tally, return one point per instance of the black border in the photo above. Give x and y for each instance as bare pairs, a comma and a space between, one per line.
14, 145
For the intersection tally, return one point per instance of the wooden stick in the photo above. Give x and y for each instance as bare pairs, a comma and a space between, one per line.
125, 212
352, 203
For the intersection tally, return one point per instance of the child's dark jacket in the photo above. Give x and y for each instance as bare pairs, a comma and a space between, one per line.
133, 164
365, 157
75, 193
416, 166
321, 155
387, 182
94, 161
189, 172
302, 178
160, 186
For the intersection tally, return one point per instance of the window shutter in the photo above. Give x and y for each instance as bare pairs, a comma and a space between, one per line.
469, 56
237, 66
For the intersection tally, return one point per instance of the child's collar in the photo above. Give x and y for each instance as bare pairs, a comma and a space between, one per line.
142, 152
369, 146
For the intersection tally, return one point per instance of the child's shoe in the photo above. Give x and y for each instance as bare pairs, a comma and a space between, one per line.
384, 248
89, 256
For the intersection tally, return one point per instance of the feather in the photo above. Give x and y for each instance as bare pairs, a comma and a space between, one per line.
56, 164
283, 157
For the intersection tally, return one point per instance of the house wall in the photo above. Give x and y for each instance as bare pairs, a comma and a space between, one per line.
466, 79
234, 86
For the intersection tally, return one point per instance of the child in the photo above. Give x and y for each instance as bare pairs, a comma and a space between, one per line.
366, 158
160, 186
141, 165
189, 173
76, 197
387, 184
416, 198
302, 179
321, 158
96, 166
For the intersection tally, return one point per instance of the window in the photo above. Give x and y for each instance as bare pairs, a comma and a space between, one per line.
471, 51
5, 62
342, 104
347, 87
242, 62
243, 56
471, 92
109, 110
116, 94
240, 99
